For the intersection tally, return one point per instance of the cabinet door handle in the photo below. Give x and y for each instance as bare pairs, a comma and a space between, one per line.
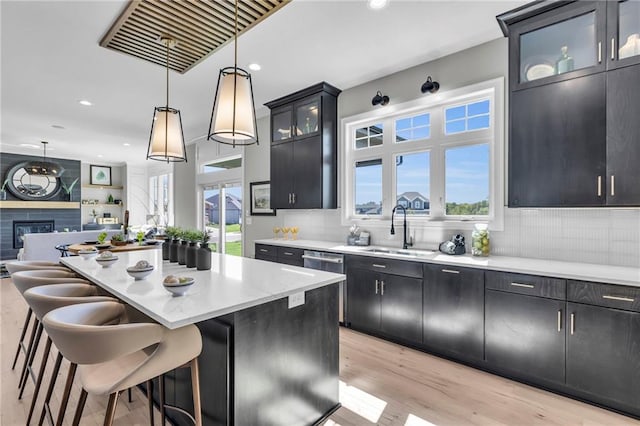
264, 250
573, 323
289, 198
450, 271
613, 49
294, 197
613, 185
559, 320
599, 186
523, 285
377, 283
377, 265
620, 298
382, 288
288, 253
599, 52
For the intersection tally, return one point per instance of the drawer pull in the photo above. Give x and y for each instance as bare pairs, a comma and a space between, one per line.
599, 186
377, 265
523, 285
599, 52
573, 323
264, 250
613, 185
450, 271
288, 253
377, 283
559, 320
620, 298
382, 288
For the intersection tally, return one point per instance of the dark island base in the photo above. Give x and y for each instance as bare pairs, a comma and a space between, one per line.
266, 365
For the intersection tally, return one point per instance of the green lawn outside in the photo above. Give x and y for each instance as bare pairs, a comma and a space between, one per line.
234, 227
233, 248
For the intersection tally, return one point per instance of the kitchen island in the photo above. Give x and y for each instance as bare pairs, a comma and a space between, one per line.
270, 335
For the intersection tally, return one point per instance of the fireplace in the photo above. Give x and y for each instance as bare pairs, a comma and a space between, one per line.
21, 227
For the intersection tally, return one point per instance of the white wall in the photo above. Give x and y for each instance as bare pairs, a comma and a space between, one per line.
137, 195
184, 191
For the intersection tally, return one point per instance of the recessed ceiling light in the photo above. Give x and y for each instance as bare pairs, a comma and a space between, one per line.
255, 67
57, 126
126, 144
377, 4
85, 102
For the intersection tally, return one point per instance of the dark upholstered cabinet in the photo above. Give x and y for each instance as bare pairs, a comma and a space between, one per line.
304, 134
453, 310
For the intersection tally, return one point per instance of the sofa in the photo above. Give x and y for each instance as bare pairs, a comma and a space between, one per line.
43, 246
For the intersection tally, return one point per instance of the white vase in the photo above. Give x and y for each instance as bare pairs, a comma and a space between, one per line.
631, 47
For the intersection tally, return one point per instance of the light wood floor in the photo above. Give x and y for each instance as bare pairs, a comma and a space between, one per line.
381, 384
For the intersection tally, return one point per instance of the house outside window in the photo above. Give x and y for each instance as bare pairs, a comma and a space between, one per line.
439, 157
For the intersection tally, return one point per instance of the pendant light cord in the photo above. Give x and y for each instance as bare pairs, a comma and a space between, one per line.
166, 113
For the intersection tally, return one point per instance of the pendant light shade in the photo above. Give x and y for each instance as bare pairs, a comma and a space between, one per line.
44, 167
233, 120
166, 142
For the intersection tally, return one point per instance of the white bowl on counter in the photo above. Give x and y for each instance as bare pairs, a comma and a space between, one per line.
106, 262
180, 288
138, 273
88, 254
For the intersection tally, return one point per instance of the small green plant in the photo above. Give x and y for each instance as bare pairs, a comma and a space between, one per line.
117, 237
172, 232
140, 237
101, 237
204, 236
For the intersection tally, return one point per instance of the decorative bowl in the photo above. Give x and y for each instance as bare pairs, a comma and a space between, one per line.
180, 288
118, 243
139, 274
88, 254
103, 246
106, 262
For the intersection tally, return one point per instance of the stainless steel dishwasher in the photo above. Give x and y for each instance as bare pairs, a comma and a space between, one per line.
330, 262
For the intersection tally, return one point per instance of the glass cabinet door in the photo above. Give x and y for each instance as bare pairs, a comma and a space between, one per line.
307, 117
281, 125
559, 48
624, 29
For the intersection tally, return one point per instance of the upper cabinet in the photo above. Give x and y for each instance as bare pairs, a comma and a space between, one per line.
574, 137
304, 135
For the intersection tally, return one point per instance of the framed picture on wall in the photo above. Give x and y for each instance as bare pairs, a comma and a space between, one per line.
100, 175
260, 198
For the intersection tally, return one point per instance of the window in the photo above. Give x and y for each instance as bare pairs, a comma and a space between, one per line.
439, 157
160, 200
465, 118
368, 188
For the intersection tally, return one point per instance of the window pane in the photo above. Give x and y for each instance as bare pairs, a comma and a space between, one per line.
369, 136
368, 187
412, 182
467, 180
478, 108
361, 143
362, 133
481, 122
464, 118
455, 127
455, 113
375, 140
413, 128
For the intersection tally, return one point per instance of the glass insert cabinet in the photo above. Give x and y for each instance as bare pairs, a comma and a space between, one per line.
548, 43
295, 121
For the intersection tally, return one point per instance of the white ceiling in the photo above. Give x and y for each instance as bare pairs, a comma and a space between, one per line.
51, 60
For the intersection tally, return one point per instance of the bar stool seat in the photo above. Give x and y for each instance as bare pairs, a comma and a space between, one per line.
112, 358
33, 265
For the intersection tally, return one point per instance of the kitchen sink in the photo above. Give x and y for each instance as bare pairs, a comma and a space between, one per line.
400, 252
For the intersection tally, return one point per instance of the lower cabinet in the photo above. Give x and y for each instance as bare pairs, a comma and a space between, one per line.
385, 303
453, 315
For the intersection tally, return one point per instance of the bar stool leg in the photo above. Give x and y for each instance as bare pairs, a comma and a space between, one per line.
163, 416
31, 354
195, 385
67, 391
21, 341
43, 366
81, 401
36, 325
52, 384
150, 400
111, 409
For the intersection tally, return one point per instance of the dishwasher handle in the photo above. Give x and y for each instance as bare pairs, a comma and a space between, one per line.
323, 259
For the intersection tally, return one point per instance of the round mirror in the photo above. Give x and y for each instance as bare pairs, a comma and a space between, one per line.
31, 187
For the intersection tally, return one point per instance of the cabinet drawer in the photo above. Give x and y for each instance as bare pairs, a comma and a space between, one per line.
266, 250
290, 256
609, 295
532, 285
387, 266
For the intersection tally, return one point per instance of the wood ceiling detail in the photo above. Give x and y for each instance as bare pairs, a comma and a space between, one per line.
199, 26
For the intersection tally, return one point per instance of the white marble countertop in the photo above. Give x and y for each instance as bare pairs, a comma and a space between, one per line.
552, 268
233, 283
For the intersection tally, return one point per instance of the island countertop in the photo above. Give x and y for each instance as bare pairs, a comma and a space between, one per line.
233, 283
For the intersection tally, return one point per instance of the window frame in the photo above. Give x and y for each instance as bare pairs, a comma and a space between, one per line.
437, 143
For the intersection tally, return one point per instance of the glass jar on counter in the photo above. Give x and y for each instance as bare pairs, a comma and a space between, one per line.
480, 240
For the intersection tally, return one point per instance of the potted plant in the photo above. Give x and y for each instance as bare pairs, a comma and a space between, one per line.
193, 236
182, 248
68, 189
203, 259
101, 237
94, 214
140, 237
118, 240
173, 233
3, 192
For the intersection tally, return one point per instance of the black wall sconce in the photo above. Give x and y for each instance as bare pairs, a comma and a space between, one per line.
430, 86
380, 99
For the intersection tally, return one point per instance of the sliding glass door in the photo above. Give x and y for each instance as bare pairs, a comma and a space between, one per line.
223, 217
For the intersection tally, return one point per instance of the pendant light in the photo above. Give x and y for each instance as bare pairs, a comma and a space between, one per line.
166, 142
233, 119
44, 167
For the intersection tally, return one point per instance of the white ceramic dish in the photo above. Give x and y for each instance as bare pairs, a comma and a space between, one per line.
139, 274
179, 289
87, 254
106, 262
534, 72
